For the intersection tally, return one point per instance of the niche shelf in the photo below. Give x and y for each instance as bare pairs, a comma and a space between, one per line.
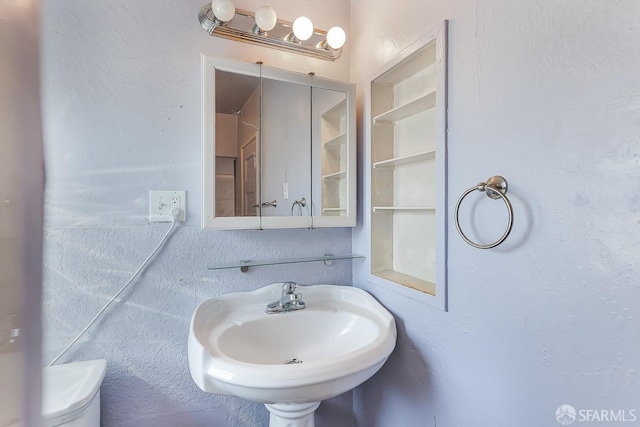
408, 157
409, 281
334, 176
336, 142
402, 208
407, 109
403, 160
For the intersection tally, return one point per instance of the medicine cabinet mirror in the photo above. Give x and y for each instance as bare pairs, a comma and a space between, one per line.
278, 148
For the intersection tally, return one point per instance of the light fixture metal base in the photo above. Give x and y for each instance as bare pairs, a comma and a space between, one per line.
241, 28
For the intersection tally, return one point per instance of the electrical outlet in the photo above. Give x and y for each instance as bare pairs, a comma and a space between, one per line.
161, 202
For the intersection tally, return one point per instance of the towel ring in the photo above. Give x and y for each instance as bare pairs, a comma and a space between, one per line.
496, 188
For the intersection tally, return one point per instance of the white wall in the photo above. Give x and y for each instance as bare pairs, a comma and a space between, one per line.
547, 94
121, 93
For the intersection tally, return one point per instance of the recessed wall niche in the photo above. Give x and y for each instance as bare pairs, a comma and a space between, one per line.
408, 169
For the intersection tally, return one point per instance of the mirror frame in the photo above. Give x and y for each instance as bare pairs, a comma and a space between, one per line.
209, 65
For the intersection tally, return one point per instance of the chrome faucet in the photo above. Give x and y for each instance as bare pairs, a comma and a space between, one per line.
289, 301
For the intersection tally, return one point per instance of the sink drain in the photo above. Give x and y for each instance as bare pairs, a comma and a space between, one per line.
293, 361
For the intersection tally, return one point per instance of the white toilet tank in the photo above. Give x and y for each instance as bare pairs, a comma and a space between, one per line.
71, 394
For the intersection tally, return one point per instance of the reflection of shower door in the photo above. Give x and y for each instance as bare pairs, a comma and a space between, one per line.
249, 155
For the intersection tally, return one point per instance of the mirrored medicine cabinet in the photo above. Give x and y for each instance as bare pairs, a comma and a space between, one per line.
279, 148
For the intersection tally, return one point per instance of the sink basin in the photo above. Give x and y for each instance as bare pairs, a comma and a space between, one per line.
289, 360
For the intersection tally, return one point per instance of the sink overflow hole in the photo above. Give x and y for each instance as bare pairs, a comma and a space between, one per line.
292, 361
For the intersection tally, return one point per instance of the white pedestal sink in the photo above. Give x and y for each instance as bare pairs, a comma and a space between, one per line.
293, 360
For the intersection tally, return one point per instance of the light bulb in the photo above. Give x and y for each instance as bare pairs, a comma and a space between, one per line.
302, 28
266, 18
336, 37
223, 10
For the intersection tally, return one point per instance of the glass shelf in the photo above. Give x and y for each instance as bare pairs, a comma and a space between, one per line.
244, 264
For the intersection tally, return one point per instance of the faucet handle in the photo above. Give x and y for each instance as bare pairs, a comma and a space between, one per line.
289, 288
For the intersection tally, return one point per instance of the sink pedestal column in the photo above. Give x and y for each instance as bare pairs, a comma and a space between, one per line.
292, 414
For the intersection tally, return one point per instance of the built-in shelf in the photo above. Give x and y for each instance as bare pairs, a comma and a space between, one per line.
336, 142
336, 113
403, 160
403, 208
333, 209
244, 265
408, 151
334, 176
410, 281
407, 110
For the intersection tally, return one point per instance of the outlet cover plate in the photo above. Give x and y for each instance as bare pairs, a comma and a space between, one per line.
162, 201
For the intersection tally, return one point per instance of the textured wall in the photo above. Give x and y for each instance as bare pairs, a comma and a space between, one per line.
547, 94
121, 92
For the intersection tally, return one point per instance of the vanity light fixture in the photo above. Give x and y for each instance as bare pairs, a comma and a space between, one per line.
266, 20
302, 29
336, 37
223, 11
221, 18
